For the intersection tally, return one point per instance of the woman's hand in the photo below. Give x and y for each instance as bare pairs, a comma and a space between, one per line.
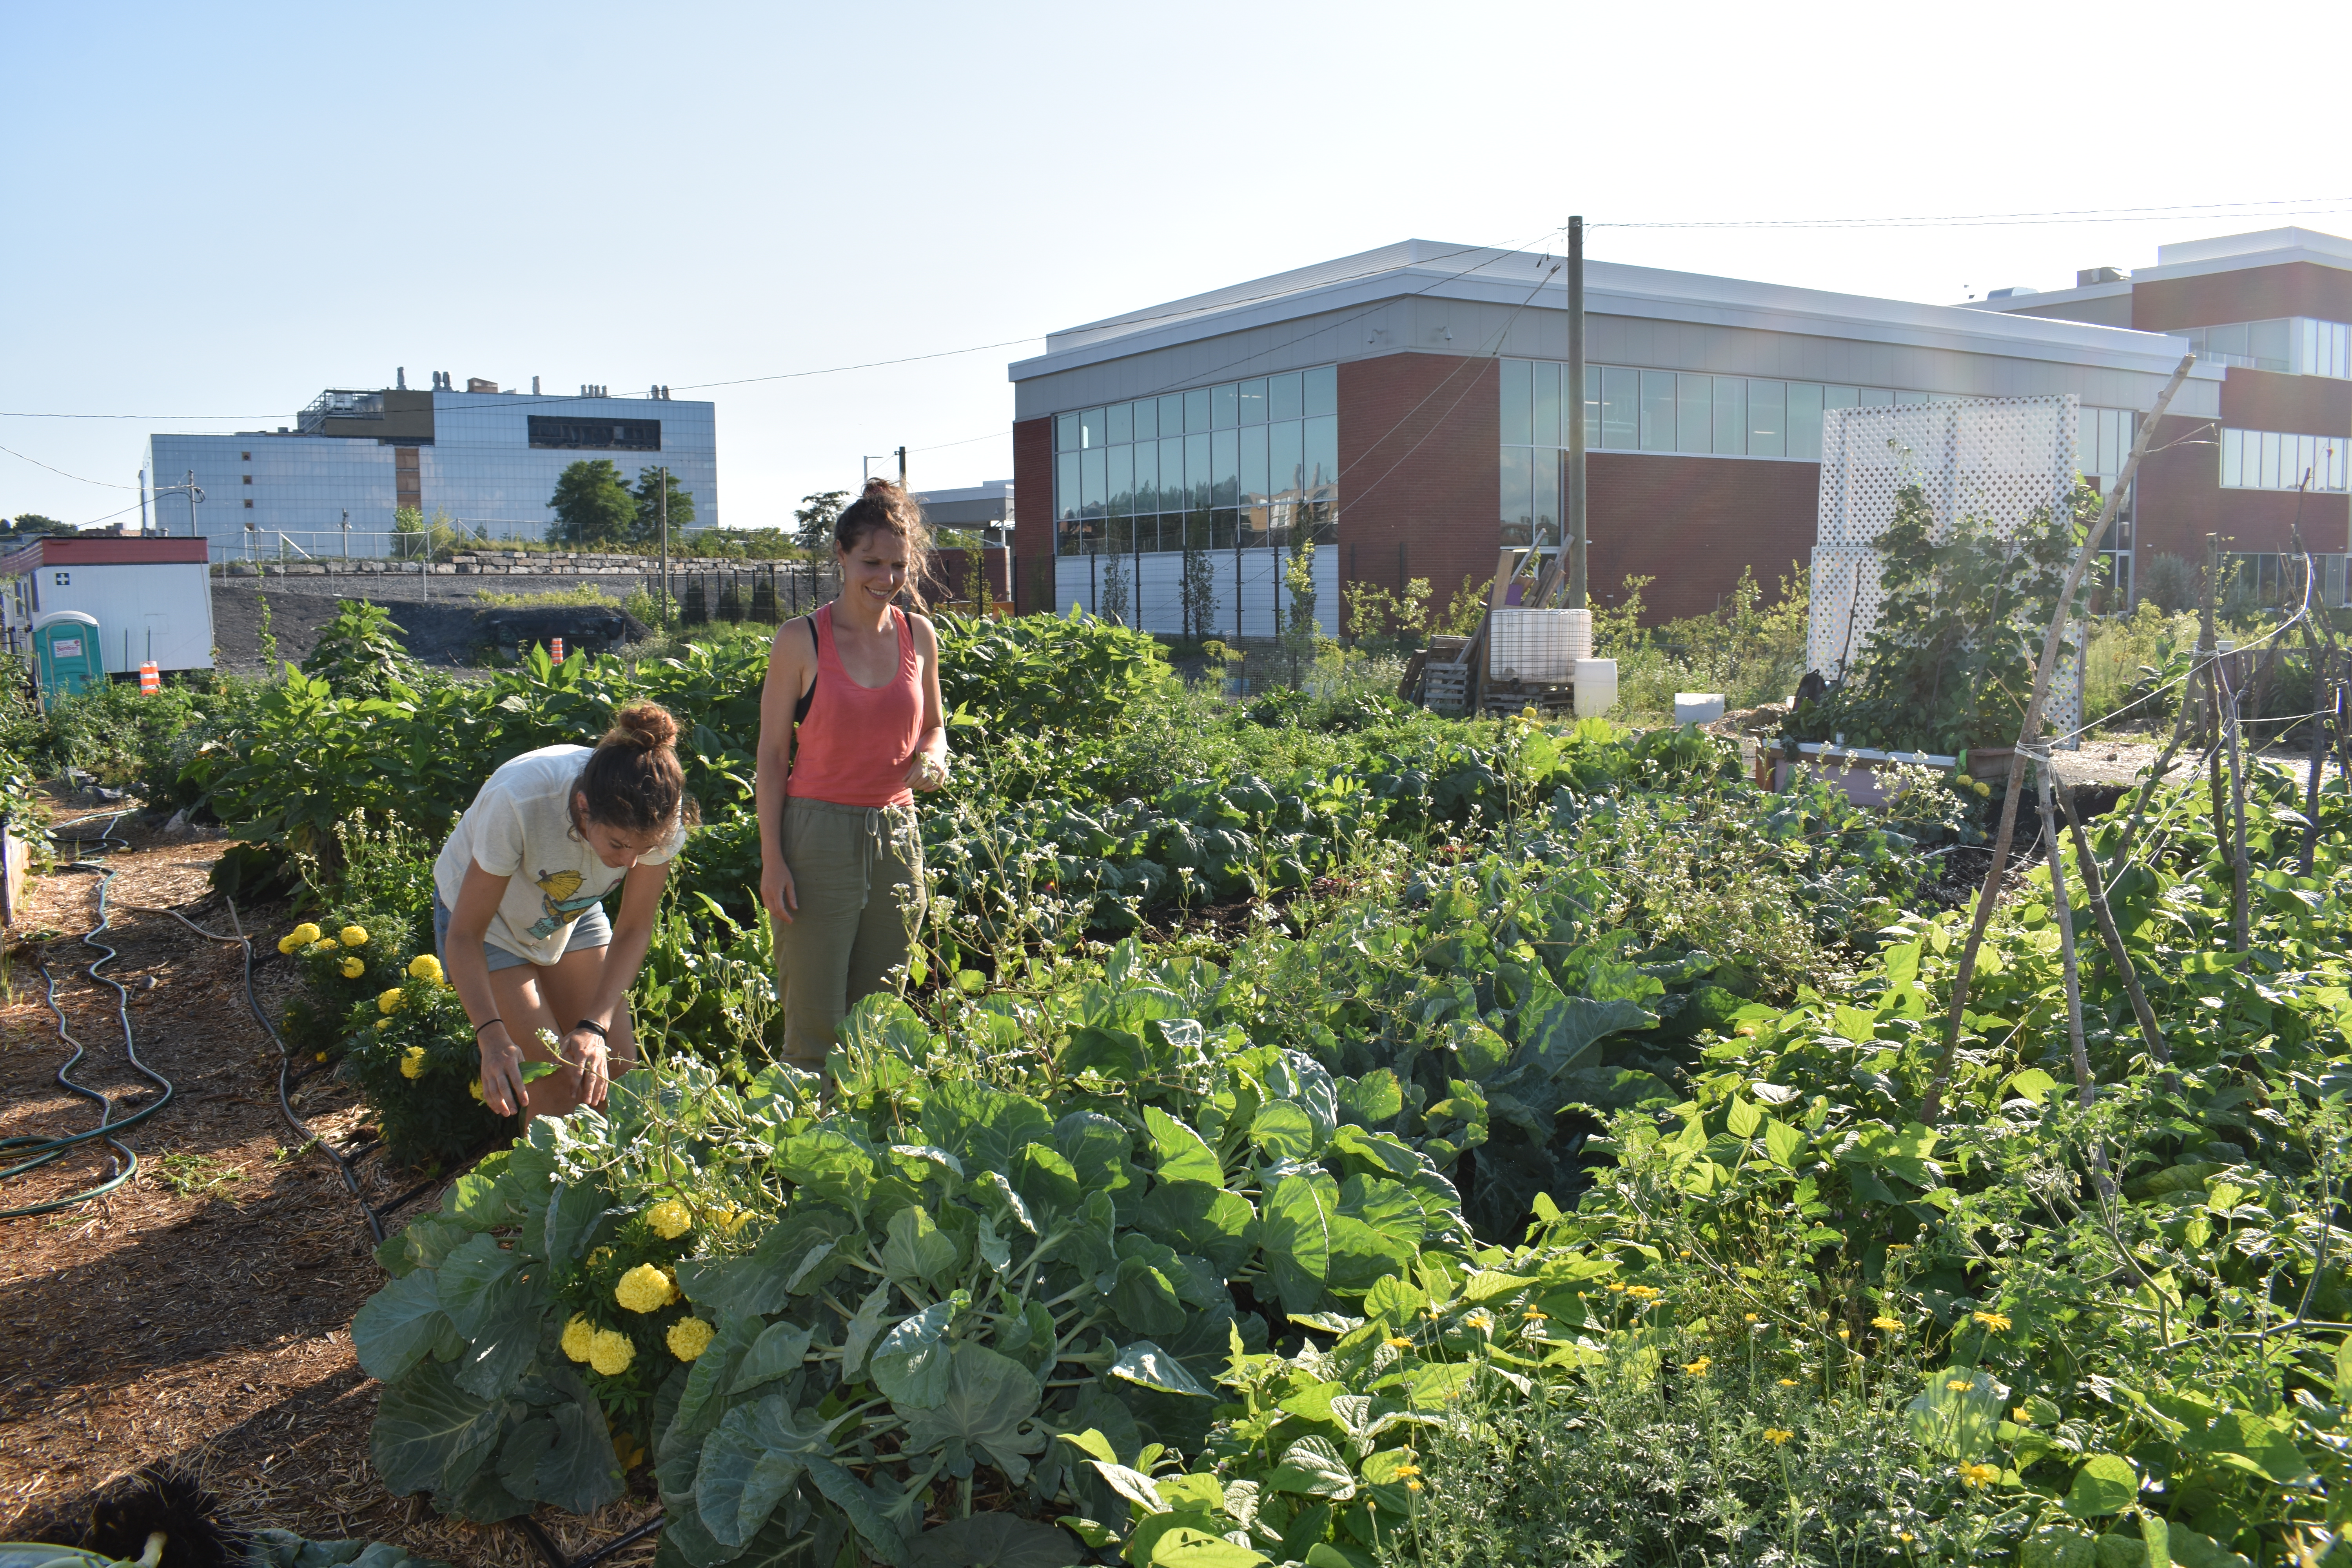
502, 1088
776, 888
927, 771
588, 1062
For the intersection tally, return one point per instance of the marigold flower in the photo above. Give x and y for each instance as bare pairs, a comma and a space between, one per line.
354, 968
320, 1057
354, 936
644, 1288
1954, 1384
1398, 1342
1890, 1325
1788, 1383
412, 1063
1994, 1322
383, 1023
1906, 1536
579, 1335
1776, 1435
475, 1089
285, 944
688, 1338
320, 947
669, 1219
388, 1001
599, 1255
1748, 1318
425, 967
302, 935
1698, 1368
1979, 1475
611, 1352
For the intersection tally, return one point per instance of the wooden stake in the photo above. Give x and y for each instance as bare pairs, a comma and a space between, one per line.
2062, 907
2028, 732
2095, 886
2235, 822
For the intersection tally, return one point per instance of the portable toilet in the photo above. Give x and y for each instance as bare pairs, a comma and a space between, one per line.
65, 648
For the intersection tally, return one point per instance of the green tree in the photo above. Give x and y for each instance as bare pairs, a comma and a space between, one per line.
34, 522
593, 505
649, 517
816, 515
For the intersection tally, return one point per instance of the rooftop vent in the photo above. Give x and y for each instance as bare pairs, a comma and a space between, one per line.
2089, 277
2015, 291
475, 383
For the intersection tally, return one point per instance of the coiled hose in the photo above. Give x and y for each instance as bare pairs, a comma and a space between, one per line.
31, 1153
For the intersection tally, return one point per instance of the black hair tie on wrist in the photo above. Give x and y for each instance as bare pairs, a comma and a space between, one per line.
595, 1028
484, 1025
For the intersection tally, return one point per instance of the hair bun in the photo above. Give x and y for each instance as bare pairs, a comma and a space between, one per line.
879, 487
646, 725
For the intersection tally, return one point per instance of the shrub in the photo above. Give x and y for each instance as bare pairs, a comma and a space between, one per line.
411, 1052
339, 974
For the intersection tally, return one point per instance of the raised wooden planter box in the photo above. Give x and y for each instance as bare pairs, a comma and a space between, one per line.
1857, 768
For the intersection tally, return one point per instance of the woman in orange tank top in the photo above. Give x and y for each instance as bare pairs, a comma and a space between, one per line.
850, 727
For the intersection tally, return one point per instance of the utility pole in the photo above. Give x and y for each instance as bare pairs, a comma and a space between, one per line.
347, 533
902, 467
1577, 598
663, 505
194, 530
142, 503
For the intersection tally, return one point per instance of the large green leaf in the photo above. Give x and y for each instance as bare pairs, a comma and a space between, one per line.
1281, 1130
1195, 1218
864, 1325
1146, 1363
469, 1282
2105, 1484
1296, 1237
1958, 1412
399, 1325
987, 1400
1184, 1157
915, 1248
910, 1364
995, 1541
430, 1435
565, 1458
795, 1254
1144, 1300
513, 1319
753, 1458
778, 1350
868, 1512
573, 1211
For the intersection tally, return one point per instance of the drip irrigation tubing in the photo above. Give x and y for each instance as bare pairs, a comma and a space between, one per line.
31, 1153
347, 1162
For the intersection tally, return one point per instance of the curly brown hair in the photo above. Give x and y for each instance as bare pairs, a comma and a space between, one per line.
633, 780
888, 507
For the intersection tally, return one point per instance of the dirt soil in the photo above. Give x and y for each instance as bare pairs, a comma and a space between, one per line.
444, 630
199, 1316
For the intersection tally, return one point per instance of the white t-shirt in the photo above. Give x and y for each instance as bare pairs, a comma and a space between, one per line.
519, 827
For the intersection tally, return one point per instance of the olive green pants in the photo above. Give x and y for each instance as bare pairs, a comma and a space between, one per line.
857, 877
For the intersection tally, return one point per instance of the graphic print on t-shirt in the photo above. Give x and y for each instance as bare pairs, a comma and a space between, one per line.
555, 889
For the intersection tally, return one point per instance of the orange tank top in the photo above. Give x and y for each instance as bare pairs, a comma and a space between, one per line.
854, 746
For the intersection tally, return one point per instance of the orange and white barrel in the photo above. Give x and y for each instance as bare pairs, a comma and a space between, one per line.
151, 680
555, 649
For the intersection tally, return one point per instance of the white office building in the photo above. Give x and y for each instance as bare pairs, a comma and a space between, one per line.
485, 460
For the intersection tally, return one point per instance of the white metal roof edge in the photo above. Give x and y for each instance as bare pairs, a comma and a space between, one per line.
2048, 296
1616, 289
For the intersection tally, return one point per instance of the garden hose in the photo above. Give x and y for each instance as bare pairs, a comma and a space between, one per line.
346, 1164
34, 1153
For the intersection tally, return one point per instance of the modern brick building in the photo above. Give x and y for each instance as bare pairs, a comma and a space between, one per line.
1405, 408
2270, 311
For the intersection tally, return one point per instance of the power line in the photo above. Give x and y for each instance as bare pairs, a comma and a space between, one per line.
37, 462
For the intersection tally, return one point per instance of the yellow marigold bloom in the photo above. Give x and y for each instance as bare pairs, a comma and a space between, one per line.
354, 936
1994, 1322
354, 968
475, 1089
425, 967
670, 1220
1907, 1538
1776, 1435
599, 1255
579, 1335
689, 1337
319, 1058
321, 946
1788, 1383
644, 1288
1698, 1368
1398, 1342
611, 1352
383, 1023
1890, 1325
302, 935
412, 1062
1749, 1318
1979, 1475
1954, 1384
285, 944
388, 1001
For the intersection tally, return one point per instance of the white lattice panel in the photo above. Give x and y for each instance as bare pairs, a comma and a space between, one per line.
2002, 459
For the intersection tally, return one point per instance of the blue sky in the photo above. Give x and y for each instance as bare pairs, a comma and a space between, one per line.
218, 210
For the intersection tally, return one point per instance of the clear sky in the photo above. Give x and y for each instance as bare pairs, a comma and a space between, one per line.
217, 210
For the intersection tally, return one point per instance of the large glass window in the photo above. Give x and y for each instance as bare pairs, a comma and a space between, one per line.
1236, 465
2275, 460
2298, 345
1657, 411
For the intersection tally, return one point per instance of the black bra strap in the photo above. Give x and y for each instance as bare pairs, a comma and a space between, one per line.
801, 710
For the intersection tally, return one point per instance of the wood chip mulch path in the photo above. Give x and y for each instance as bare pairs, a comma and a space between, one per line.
199, 1316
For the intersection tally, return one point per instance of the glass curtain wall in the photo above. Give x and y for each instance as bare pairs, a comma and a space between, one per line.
1217, 468
2298, 345
2275, 460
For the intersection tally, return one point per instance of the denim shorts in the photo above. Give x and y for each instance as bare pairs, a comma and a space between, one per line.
590, 930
